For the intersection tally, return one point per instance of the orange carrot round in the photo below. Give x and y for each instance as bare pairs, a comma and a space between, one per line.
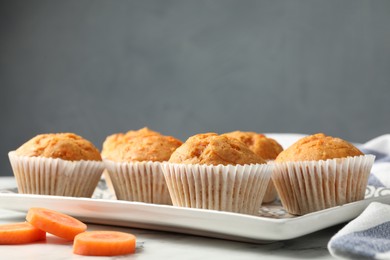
20, 233
104, 243
55, 223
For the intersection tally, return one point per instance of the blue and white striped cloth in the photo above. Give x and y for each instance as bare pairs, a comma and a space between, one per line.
368, 236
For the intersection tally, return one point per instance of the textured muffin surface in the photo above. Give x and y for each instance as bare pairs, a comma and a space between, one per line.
266, 148
214, 149
141, 132
66, 146
140, 145
113, 141
318, 147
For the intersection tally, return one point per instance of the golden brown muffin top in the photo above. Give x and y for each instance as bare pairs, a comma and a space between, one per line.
140, 145
318, 147
66, 146
266, 148
214, 149
141, 132
112, 141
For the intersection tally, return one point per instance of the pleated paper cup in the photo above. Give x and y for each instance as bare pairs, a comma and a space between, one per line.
309, 186
270, 194
239, 188
138, 181
48, 176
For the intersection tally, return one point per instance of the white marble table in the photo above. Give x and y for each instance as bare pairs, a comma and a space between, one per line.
164, 245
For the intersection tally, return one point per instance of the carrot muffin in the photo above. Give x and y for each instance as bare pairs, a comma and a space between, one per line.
112, 141
214, 149
155, 148
266, 148
133, 162
212, 171
319, 172
62, 164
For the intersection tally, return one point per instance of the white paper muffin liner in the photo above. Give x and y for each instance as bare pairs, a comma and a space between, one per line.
231, 188
48, 176
309, 186
270, 194
138, 181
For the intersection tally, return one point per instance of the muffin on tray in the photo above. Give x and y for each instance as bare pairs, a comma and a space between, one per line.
133, 162
211, 171
267, 148
319, 172
263, 146
63, 164
112, 141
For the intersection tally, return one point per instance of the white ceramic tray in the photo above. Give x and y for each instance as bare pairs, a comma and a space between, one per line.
272, 223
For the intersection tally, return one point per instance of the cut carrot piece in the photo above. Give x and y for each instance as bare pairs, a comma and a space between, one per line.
55, 223
20, 233
104, 243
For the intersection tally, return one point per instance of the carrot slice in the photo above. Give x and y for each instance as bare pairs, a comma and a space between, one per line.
55, 223
104, 243
20, 233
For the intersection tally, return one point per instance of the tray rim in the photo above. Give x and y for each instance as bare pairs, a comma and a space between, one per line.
210, 223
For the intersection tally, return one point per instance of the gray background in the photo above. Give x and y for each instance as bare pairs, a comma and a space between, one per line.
184, 67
